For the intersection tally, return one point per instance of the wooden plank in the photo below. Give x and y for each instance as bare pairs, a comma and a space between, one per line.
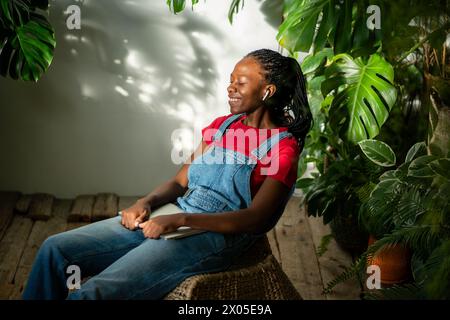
41, 206
5, 290
274, 246
41, 230
82, 209
23, 204
7, 203
126, 202
105, 206
12, 246
297, 251
333, 262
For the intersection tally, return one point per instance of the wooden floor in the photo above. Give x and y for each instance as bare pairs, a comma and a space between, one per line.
27, 220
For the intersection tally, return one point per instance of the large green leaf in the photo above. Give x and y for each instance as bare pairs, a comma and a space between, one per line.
378, 152
297, 31
339, 23
365, 95
27, 52
343, 35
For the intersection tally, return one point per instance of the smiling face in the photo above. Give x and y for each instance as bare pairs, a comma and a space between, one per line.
247, 86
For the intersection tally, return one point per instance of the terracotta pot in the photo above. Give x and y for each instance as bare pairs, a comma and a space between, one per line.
394, 263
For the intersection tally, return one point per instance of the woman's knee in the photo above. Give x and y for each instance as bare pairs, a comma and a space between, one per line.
54, 246
54, 241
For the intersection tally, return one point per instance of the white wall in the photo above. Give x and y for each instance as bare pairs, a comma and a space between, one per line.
102, 117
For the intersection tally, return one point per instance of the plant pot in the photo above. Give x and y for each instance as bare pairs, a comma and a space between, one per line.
348, 234
394, 263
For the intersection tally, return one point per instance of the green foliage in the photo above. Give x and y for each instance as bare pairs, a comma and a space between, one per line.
378, 152
362, 106
419, 149
318, 23
234, 8
27, 40
296, 33
410, 206
339, 189
323, 246
176, 6
314, 61
396, 292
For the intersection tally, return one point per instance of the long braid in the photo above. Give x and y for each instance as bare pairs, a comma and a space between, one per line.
288, 107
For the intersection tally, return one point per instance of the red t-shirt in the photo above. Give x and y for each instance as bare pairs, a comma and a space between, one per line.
287, 154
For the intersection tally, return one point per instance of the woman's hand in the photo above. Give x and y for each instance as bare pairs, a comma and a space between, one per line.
137, 213
157, 226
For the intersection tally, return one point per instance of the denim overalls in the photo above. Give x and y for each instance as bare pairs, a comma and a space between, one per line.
215, 187
123, 264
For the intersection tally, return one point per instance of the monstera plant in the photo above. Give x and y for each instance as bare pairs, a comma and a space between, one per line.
27, 40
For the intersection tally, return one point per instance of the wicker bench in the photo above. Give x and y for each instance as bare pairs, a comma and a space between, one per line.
257, 276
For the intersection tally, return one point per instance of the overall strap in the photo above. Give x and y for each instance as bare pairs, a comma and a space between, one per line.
261, 151
221, 131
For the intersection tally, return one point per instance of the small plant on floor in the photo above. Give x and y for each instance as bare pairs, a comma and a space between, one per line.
410, 206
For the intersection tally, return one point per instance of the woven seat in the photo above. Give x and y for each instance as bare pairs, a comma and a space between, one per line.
256, 276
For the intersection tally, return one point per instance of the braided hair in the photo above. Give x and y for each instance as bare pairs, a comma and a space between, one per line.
288, 107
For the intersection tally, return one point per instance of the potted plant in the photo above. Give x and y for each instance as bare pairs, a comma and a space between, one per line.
335, 196
410, 207
333, 193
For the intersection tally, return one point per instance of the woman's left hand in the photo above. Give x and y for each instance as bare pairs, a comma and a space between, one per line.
157, 226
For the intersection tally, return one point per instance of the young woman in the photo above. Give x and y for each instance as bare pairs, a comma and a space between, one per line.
235, 187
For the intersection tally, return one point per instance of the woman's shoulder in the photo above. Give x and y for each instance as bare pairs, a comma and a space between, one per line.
218, 121
289, 147
209, 131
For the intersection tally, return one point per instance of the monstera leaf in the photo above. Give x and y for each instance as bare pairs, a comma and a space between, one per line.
14, 12
27, 40
364, 95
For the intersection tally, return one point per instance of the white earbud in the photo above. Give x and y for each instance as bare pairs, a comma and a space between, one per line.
265, 96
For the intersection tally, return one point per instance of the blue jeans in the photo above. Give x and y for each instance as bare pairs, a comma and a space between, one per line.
123, 264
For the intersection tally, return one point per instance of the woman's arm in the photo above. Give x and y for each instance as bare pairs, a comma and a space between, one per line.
262, 215
165, 193
266, 208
